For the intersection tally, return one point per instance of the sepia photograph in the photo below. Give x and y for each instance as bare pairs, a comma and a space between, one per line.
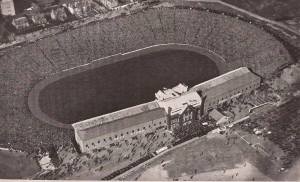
150, 90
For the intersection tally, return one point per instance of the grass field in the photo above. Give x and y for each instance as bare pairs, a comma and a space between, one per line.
15, 165
210, 158
123, 84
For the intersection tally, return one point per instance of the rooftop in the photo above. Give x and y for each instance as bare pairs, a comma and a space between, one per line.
171, 93
179, 104
99, 120
225, 83
121, 123
20, 21
216, 115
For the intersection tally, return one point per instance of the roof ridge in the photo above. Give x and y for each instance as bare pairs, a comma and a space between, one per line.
95, 120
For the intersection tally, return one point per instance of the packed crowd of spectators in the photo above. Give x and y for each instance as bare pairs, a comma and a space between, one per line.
101, 162
238, 42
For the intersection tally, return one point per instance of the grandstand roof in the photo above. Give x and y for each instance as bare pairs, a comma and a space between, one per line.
131, 111
225, 83
179, 104
120, 124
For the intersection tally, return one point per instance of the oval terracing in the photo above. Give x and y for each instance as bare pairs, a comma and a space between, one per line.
239, 43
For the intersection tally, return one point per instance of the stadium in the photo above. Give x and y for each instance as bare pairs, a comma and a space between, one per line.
238, 43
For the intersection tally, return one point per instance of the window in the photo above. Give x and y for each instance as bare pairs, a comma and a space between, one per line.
127, 132
121, 134
144, 128
110, 138
104, 140
159, 122
187, 117
165, 121
174, 121
184, 117
138, 129
93, 144
98, 141
116, 136
154, 124
87, 146
132, 131
149, 126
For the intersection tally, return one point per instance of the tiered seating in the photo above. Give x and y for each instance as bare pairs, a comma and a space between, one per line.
153, 17
116, 36
192, 27
71, 47
55, 53
100, 39
140, 24
238, 42
168, 22
181, 21
85, 41
131, 32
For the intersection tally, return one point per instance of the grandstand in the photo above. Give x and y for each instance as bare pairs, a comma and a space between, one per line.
237, 42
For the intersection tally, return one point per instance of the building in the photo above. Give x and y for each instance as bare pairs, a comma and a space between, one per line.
39, 18
79, 8
59, 14
226, 87
20, 23
110, 3
171, 93
220, 118
173, 108
181, 110
121, 125
7, 7
45, 3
